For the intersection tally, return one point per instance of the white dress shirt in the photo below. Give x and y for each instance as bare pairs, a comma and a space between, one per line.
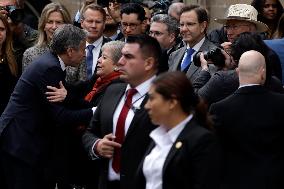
62, 64
96, 51
196, 48
154, 161
137, 99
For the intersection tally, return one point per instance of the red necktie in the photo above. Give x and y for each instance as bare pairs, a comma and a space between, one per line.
119, 133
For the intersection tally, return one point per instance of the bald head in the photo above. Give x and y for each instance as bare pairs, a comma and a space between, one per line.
252, 68
175, 9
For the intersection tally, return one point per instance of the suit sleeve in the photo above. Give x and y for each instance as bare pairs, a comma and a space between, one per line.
89, 138
57, 111
209, 88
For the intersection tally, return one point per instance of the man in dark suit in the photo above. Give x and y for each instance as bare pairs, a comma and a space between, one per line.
27, 126
250, 126
119, 142
194, 22
93, 21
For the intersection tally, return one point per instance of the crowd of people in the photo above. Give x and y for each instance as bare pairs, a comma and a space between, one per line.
142, 95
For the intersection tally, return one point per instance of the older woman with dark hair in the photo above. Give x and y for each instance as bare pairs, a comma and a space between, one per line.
184, 152
269, 12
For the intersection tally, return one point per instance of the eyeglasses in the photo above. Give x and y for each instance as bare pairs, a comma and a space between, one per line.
132, 26
155, 33
233, 27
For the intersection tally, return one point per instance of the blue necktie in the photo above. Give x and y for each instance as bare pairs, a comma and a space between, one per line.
89, 60
186, 62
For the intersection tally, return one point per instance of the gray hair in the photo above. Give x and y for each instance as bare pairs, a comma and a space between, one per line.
67, 36
115, 47
172, 23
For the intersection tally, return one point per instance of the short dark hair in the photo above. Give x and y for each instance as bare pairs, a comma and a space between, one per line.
202, 13
94, 7
67, 36
133, 8
149, 46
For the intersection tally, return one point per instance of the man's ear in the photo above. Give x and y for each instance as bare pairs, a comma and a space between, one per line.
144, 25
150, 63
204, 25
69, 52
172, 37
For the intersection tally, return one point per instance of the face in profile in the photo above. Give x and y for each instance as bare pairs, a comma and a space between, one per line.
76, 56
132, 64
158, 107
105, 63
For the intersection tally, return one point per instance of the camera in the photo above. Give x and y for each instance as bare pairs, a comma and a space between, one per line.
15, 14
161, 6
105, 3
215, 55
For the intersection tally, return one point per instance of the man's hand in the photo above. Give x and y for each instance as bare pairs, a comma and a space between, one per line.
229, 61
56, 94
203, 63
106, 145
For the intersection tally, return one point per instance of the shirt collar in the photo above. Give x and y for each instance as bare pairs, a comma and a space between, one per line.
62, 64
197, 46
163, 137
248, 85
96, 43
144, 87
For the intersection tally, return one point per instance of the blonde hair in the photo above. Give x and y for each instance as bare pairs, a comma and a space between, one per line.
48, 9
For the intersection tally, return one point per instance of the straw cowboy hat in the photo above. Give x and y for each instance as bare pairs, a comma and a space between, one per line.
243, 12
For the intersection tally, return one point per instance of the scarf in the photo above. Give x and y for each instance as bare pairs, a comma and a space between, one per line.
100, 84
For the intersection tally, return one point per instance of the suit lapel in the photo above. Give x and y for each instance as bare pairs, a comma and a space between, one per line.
113, 102
178, 58
178, 144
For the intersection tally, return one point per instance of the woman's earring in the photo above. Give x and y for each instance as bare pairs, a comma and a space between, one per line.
116, 69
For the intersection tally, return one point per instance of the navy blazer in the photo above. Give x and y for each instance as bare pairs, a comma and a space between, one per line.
27, 125
136, 140
195, 164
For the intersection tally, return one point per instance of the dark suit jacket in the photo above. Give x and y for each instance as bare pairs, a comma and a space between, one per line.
223, 83
195, 165
28, 122
136, 140
176, 57
250, 125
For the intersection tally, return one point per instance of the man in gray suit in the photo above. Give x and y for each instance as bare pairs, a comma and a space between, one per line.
194, 22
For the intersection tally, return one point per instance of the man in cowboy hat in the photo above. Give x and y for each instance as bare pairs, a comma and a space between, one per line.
240, 18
